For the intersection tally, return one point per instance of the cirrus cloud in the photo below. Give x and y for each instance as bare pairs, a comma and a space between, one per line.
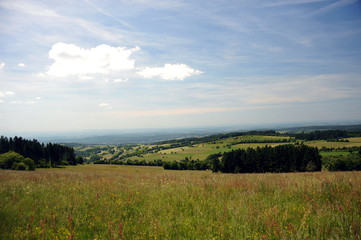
169, 72
71, 60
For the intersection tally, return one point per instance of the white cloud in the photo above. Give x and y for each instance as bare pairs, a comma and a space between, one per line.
70, 60
105, 106
120, 80
169, 72
3, 94
85, 77
2, 65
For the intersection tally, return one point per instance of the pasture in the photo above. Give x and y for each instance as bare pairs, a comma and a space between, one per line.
134, 202
203, 150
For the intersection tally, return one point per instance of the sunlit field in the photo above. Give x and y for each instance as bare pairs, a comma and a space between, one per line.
203, 150
130, 202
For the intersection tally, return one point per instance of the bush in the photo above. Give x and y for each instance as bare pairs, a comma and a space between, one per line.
18, 166
15, 161
342, 163
30, 165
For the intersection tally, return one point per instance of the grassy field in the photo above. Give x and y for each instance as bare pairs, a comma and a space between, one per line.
203, 150
353, 142
129, 202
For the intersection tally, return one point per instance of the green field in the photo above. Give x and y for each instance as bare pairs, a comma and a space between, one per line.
353, 142
203, 150
134, 202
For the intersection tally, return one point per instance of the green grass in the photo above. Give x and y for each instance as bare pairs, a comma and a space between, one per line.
353, 142
129, 202
203, 150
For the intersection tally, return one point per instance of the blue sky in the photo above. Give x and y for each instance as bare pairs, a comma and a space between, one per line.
74, 65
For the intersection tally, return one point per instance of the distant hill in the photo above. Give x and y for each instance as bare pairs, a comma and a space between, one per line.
121, 139
176, 134
324, 127
146, 136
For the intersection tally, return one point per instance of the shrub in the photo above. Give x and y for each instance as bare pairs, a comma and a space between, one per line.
15, 161
342, 163
18, 166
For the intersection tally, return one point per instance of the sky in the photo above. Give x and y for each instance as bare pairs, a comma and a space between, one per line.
125, 64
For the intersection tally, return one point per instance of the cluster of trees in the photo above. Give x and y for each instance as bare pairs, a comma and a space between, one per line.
285, 140
49, 155
283, 158
342, 162
341, 149
321, 135
186, 164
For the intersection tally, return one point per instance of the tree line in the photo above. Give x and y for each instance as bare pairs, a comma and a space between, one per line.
43, 155
321, 135
136, 162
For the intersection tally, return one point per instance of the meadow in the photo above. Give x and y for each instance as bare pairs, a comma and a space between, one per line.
137, 202
203, 150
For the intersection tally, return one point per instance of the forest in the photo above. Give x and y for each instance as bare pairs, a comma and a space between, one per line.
42, 155
282, 158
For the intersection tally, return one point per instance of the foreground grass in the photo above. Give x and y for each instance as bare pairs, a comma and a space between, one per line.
125, 202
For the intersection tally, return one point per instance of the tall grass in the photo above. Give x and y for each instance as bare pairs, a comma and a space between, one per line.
125, 202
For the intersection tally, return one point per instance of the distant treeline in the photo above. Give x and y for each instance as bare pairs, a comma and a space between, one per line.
135, 162
321, 135
341, 149
285, 140
198, 140
49, 155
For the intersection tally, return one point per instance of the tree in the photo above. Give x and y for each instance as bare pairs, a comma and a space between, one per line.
15, 161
